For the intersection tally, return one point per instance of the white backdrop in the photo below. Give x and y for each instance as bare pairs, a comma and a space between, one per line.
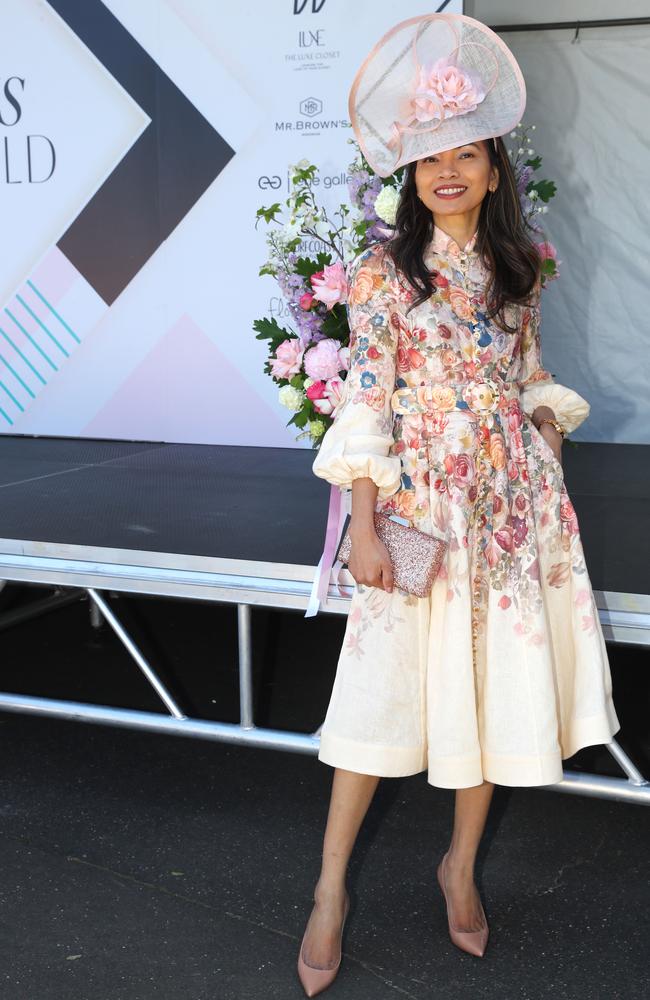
590, 100
172, 355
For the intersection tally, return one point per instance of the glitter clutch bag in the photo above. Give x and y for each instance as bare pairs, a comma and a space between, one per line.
415, 556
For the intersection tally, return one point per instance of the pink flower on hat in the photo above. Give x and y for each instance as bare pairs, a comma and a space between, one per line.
446, 90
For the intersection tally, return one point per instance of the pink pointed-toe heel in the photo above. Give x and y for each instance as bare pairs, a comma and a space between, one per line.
474, 942
316, 980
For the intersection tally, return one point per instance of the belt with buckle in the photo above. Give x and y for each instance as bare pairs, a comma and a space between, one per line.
478, 397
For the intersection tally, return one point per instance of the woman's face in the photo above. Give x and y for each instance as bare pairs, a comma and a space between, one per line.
464, 167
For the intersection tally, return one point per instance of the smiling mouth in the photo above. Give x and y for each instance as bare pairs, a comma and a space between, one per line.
450, 190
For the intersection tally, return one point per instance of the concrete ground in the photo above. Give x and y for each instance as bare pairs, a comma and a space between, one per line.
138, 866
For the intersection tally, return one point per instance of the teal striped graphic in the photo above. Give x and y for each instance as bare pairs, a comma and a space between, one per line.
49, 345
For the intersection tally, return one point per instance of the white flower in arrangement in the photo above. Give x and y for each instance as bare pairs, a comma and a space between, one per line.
308, 381
307, 218
322, 229
316, 428
289, 231
291, 398
386, 204
533, 195
349, 251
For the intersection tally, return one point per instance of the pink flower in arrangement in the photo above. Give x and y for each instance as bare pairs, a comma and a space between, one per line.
316, 390
330, 285
548, 252
306, 300
323, 361
331, 397
344, 355
446, 90
288, 358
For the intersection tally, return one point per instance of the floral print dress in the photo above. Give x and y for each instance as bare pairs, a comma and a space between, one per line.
502, 671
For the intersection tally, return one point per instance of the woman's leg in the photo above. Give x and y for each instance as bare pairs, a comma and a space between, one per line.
470, 814
351, 795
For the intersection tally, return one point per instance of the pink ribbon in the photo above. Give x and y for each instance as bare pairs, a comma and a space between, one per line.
320, 585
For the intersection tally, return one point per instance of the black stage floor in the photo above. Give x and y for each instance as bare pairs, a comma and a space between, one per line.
265, 504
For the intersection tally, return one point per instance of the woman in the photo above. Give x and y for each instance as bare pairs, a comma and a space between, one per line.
449, 420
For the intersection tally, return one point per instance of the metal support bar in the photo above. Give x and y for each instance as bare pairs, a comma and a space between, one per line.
225, 732
245, 666
575, 783
35, 609
628, 616
614, 22
627, 765
599, 787
131, 647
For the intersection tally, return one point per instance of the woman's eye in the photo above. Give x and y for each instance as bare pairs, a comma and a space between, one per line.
434, 157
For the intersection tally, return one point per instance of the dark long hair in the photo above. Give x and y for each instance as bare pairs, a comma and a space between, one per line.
503, 240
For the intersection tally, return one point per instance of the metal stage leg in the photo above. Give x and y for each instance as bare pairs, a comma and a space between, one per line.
245, 644
128, 642
243, 733
633, 788
95, 615
42, 606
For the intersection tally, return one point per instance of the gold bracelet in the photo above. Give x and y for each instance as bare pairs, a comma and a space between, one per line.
558, 426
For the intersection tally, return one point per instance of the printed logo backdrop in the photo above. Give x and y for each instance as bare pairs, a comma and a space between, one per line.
139, 140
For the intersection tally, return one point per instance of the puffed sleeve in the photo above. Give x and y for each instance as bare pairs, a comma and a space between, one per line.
358, 441
538, 387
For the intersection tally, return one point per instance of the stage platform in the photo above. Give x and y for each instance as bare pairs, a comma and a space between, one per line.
245, 526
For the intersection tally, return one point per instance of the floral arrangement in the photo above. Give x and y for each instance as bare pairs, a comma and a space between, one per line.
534, 196
310, 361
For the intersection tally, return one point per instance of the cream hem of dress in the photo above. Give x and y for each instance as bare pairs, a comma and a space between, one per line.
469, 770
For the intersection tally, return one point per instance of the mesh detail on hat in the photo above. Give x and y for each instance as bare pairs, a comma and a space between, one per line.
383, 89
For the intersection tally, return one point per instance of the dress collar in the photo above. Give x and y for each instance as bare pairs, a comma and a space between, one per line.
442, 242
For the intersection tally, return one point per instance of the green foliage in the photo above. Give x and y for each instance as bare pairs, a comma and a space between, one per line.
545, 189
305, 265
268, 214
270, 329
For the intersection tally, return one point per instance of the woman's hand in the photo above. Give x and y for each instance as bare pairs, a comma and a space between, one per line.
553, 439
369, 561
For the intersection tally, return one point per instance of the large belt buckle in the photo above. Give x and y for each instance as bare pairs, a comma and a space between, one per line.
482, 395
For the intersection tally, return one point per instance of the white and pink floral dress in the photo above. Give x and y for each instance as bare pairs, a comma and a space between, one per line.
502, 671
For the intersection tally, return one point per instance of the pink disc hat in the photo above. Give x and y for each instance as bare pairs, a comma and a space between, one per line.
433, 83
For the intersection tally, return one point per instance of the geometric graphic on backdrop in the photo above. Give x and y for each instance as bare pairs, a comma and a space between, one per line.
40, 326
162, 176
197, 389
